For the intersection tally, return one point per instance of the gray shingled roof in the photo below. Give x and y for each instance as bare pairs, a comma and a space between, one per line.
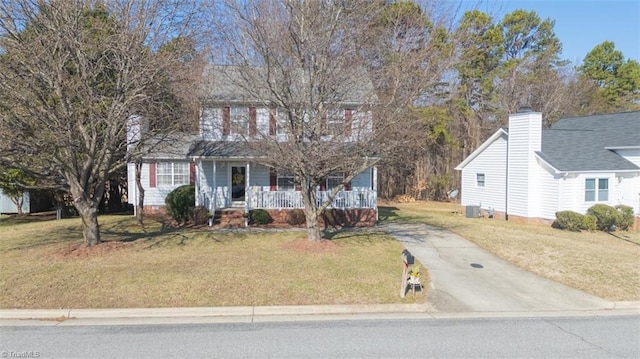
580, 144
249, 85
220, 149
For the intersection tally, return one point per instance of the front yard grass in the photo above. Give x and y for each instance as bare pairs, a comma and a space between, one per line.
606, 265
44, 265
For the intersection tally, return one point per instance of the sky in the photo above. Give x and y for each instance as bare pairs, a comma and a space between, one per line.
581, 24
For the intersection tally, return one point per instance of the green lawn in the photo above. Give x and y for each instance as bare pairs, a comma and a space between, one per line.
603, 264
44, 265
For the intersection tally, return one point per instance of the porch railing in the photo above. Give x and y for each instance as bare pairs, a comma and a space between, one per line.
258, 198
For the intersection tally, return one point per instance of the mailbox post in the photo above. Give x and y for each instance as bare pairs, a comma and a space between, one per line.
407, 260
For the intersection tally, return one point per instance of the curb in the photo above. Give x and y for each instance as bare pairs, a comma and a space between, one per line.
192, 312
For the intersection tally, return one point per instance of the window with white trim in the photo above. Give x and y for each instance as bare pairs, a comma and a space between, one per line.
335, 122
286, 181
479, 179
334, 180
239, 120
281, 122
596, 189
170, 174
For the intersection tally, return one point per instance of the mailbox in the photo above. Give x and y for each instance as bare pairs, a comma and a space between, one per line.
407, 257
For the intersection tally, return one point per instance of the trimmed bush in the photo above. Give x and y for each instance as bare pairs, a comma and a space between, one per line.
574, 221
199, 215
296, 217
607, 217
570, 221
626, 217
179, 201
259, 216
590, 223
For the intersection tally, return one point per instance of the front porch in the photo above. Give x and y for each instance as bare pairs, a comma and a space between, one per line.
233, 184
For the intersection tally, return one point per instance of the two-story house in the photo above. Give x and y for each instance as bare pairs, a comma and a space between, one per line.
228, 175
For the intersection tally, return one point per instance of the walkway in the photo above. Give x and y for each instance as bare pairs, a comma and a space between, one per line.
466, 278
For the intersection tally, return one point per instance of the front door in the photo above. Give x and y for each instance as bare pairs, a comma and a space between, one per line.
238, 183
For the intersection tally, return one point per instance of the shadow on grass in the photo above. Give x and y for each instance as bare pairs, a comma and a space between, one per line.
624, 239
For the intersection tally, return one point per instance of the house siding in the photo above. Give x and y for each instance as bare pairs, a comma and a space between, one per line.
492, 162
525, 131
7, 206
362, 181
547, 194
153, 196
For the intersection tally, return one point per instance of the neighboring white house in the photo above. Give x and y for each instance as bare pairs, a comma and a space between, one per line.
7, 206
529, 173
225, 172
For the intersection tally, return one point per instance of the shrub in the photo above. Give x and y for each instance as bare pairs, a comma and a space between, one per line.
590, 223
607, 217
626, 217
259, 216
296, 217
570, 220
199, 215
179, 201
574, 221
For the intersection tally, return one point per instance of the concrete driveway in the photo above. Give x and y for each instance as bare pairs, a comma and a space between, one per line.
466, 278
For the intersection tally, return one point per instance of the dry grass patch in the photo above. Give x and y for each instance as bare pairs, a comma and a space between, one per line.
43, 265
602, 264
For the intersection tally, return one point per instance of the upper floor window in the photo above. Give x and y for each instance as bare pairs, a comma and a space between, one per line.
479, 179
596, 190
170, 174
239, 120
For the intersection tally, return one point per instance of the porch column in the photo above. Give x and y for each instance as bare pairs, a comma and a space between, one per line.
214, 189
374, 184
197, 181
247, 187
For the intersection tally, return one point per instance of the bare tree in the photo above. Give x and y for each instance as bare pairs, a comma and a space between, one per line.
72, 72
313, 62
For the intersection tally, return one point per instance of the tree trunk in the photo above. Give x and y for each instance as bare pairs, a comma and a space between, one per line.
18, 201
140, 190
87, 206
90, 228
309, 199
313, 230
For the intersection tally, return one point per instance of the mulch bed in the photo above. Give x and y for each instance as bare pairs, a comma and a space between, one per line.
79, 250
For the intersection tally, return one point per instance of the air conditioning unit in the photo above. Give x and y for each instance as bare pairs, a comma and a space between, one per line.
472, 211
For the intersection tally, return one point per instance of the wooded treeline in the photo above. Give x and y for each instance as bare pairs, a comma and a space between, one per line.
496, 65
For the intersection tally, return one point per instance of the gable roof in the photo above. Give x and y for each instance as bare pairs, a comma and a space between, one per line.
584, 144
479, 150
228, 84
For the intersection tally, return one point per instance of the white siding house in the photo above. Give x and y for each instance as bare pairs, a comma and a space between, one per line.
227, 174
7, 206
573, 165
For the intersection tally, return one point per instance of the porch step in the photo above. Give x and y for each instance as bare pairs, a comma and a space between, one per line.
228, 218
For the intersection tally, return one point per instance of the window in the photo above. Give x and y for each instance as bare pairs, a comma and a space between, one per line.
170, 174
239, 120
335, 122
479, 179
286, 181
334, 181
281, 122
599, 194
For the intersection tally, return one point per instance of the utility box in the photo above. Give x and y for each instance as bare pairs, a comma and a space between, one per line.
472, 211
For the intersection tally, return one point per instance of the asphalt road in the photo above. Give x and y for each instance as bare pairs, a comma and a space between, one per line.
568, 337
